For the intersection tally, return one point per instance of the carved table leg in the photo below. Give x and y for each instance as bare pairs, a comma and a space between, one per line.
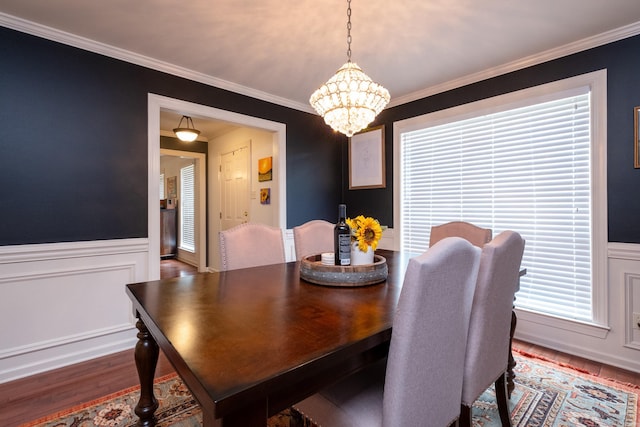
146, 355
512, 363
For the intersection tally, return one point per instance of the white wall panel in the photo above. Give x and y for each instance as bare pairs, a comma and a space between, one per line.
63, 303
616, 343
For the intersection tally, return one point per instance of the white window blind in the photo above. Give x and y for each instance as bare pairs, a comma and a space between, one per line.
525, 169
161, 186
187, 208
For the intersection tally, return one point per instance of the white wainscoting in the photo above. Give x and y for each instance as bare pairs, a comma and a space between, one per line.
619, 343
63, 303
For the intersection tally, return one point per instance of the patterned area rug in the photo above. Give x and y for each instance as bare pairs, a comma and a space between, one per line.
546, 395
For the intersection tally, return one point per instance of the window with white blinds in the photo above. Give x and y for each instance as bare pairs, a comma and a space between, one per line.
526, 169
161, 186
187, 208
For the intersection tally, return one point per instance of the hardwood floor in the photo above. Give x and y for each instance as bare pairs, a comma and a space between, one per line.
174, 268
31, 398
587, 365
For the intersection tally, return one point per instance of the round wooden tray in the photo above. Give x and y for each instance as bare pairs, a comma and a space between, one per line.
312, 270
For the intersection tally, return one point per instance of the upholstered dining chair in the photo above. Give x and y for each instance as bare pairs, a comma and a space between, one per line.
476, 235
488, 349
423, 376
251, 245
313, 237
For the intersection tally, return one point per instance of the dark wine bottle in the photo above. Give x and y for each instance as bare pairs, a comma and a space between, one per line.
342, 238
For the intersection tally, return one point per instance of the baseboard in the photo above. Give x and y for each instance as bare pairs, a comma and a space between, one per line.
45, 358
630, 363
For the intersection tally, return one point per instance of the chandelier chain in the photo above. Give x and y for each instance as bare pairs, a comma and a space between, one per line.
349, 30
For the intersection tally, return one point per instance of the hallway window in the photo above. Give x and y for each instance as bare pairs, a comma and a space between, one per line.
522, 162
187, 208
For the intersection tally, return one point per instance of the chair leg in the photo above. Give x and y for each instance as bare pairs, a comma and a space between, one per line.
503, 400
465, 416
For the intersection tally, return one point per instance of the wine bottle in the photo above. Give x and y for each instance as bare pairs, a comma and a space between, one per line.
342, 238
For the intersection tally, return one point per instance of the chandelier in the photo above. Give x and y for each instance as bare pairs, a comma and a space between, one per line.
349, 100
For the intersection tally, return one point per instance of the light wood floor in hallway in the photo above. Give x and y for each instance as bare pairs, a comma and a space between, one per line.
31, 398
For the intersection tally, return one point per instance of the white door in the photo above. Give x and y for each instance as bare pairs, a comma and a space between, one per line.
234, 191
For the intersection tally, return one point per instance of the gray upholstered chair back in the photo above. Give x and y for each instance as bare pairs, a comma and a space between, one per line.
313, 237
251, 245
476, 235
423, 379
488, 342
424, 368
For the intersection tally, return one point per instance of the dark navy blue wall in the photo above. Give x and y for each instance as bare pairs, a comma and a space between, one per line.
622, 61
73, 144
73, 140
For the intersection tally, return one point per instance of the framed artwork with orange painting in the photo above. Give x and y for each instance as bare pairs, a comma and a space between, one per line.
265, 196
264, 169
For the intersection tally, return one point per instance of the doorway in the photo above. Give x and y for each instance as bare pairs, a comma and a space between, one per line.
197, 255
278, 149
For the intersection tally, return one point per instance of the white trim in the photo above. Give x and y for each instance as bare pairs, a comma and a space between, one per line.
630, 295
63, 353
279, 147
55, 251
50, 33
597, 82
81, 269
589, 329
57, 342
624, 251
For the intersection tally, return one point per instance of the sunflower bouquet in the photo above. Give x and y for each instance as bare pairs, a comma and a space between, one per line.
366, 231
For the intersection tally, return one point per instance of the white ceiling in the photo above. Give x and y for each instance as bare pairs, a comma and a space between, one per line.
282, 50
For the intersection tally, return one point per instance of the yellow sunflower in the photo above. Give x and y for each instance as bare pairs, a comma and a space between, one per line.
366, 231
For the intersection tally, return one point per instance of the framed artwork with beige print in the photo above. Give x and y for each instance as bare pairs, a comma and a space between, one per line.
366, 159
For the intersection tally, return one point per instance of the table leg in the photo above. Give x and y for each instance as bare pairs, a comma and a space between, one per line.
146, 355
512, 363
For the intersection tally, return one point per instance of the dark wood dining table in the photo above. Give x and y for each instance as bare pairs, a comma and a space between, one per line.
249, 343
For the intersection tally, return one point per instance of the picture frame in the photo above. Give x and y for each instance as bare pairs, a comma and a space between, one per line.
636, 137
172, 187
265, 169
265, 196
366, 159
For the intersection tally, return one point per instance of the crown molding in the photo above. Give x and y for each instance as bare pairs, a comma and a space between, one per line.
53, 34
549, 55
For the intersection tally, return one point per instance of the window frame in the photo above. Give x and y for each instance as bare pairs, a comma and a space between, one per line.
597, 83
